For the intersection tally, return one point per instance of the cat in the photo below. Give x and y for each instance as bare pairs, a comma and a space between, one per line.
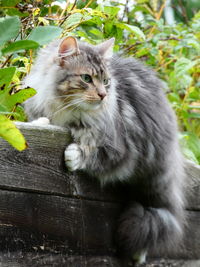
123, 130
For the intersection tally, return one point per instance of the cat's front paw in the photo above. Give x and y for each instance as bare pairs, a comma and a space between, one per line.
73, 157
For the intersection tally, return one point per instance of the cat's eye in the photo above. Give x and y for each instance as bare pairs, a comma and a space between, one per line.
86, 78
106, 81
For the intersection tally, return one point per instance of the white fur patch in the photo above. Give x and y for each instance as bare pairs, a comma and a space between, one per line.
42, 121
73, 157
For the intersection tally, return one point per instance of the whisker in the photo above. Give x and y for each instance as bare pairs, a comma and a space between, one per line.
64, 107
65, 96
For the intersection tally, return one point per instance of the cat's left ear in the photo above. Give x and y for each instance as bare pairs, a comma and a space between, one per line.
106, 48
68, 47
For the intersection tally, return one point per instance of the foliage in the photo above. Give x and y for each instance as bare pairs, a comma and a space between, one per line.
9, 100
140, 30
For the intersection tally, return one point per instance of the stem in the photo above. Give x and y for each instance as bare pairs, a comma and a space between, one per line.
125, 10
31, 60
159, 14
74, 5
184, 11
157, 17
6, 61
64, 10
90, 2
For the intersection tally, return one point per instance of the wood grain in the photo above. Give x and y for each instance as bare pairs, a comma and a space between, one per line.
77, 225
81, 224
20, 259
56, 260
41, 168
193, 186
45, 209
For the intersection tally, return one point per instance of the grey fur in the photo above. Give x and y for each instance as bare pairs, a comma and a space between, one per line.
130, 139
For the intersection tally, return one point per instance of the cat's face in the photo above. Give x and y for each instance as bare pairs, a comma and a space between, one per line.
86, 79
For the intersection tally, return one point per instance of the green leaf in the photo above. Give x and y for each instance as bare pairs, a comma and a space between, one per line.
7, 100
10, 133
20, 96
12, 11
111, 10
73, 19
9, 3
9, 105
4, 111
44, 34
97, 33
76, 19
142, 1
133, 29
19, 46
9, 28
183, 65
6, 76
173, 97
142, 52
108, 28
194, 115
19, 114
10, 101
136, 31
191, 145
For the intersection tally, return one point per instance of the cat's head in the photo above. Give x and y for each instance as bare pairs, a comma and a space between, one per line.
85, 80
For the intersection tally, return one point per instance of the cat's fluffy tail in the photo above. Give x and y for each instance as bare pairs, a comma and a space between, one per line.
148, 229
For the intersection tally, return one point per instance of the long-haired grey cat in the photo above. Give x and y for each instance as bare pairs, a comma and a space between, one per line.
123, 129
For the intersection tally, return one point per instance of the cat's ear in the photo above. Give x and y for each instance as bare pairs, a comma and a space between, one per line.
106, 48
68, 47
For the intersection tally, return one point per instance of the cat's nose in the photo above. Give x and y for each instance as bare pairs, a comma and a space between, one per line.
102, 95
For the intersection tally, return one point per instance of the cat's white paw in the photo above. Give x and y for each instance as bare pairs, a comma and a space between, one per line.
73, 157
42, 121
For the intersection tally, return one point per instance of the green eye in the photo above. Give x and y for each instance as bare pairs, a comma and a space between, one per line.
106, 81
86, 78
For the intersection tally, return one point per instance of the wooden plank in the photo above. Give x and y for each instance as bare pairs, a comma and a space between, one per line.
191, 247
83, 223
41, 169
24, 259
77, 225
193, 186
171, 263
46, 259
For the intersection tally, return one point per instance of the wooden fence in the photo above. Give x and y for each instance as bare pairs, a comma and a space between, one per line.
49, 217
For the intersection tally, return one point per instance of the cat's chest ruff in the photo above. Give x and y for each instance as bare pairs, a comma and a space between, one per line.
85, 136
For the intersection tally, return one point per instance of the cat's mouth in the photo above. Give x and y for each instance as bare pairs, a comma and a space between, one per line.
93, 100
93, 103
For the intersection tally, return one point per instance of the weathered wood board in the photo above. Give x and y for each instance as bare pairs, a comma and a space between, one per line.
49, 259
45, 209
41, 168
81, 225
